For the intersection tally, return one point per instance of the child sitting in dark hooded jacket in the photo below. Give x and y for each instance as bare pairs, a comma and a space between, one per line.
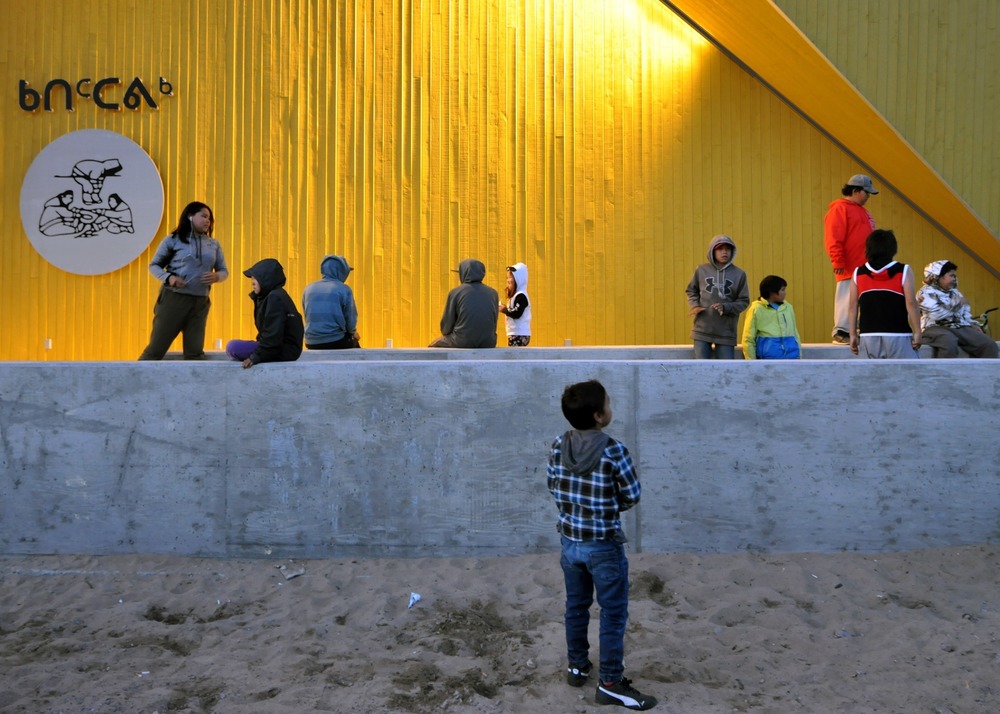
278, 321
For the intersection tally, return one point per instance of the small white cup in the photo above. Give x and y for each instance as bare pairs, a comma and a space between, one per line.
388, 343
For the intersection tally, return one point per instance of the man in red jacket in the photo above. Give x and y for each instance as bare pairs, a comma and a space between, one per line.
846, 226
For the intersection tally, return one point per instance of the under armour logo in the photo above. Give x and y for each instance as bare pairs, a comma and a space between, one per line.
725, 290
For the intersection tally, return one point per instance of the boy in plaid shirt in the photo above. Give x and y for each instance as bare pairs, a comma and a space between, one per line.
592, 478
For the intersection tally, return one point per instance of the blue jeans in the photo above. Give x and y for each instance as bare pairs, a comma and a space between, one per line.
599, 566
705, 350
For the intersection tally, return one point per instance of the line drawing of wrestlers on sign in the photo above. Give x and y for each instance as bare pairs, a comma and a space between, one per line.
90, 215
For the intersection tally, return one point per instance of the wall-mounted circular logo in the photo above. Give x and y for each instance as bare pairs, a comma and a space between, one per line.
91, 202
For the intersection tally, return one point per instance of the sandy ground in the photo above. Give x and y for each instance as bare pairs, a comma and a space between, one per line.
894, 632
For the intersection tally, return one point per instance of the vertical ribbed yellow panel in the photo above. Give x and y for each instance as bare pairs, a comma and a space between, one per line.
602, 142
929, 67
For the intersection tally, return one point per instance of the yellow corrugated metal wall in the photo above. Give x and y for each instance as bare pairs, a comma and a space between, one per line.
601, 142
929, 67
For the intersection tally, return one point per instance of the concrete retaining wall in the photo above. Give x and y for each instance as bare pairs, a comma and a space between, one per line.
415, 457
824, 351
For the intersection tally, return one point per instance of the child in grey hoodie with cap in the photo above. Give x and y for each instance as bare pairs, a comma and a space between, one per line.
717, 294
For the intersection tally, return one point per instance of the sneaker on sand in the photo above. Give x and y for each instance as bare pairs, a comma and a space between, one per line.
841, 338
577, 676
624, 695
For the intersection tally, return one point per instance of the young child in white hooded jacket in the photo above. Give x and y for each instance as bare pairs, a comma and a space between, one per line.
518, 307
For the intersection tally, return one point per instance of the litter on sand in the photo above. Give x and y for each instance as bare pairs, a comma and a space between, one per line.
289, 574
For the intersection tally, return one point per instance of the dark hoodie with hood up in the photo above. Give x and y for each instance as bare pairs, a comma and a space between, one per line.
279, 324
713, 283
471, 311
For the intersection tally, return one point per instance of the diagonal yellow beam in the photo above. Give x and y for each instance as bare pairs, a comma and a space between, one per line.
757, 35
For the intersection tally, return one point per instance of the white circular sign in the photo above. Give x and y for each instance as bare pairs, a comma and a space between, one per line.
91, 202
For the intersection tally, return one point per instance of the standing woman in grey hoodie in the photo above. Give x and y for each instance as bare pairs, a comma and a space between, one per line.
187, 263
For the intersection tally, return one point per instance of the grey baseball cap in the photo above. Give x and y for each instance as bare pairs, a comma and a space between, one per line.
862, 181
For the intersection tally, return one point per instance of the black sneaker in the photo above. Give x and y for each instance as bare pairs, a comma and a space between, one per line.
577, 676
622, 694
841, 338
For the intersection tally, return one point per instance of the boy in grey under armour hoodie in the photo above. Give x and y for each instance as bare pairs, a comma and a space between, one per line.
717, 294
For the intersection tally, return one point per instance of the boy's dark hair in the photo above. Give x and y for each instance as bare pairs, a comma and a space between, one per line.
848, 190
771, 285
880, 248
581, 401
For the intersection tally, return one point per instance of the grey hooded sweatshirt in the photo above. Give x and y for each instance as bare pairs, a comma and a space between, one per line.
328, 304
582, 450
724, 284
471, 310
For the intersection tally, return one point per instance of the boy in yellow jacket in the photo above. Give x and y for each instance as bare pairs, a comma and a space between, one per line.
769, 331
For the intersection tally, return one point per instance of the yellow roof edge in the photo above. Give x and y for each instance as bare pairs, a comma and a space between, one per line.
760, 37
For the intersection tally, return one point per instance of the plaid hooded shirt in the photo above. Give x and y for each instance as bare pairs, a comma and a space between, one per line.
592, 478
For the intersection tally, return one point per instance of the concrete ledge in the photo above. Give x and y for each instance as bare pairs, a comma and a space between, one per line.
447, 456
626, 353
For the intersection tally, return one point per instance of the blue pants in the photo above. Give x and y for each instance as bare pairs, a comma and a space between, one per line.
599, 566
709, 350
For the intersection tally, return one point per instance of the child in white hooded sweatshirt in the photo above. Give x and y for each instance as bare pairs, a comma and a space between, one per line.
518, 307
